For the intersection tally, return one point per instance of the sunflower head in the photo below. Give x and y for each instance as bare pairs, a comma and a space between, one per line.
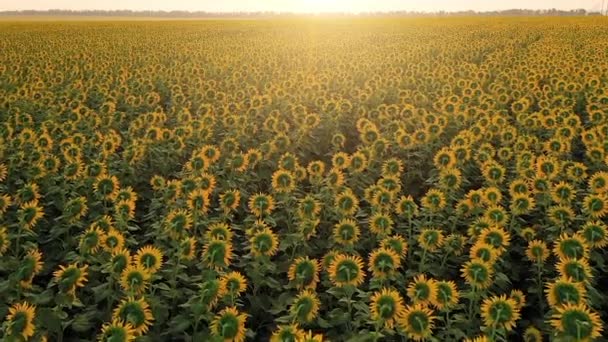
305, 306
134, 279
287, 333
346, 232
381, 224
576, 269
386, 306
446, 295
149, 258
431, 239
71, 277
304, 272
264, 243
117, 331
217, 254
571, 246
422, 290
347, 270
595, 234
396, 243
383, 262
20, 320
500, 312
120, 259
537, 251
565, 291
531, 334
578, 322
261, 204
477, 273
418, 321
135, 312
30, 266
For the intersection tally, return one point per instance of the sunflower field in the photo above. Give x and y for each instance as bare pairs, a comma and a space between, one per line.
362, 179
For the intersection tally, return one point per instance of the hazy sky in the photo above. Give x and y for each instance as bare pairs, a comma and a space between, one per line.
299, 5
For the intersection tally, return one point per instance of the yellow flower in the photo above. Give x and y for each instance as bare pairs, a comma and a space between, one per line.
386, 306
418, 321
71, 277
21, 320
577, 322
117, 331
422, 290
346, 270
135, 312
500, 312
149, 258
229, 325
304, 272
305, 306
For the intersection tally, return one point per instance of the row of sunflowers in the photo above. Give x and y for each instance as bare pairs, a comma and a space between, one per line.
304, 180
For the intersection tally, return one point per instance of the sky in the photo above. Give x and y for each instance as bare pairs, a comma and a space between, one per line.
300, 5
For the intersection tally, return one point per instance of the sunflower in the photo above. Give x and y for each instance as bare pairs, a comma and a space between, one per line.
211, 153
106, 186
383, 262
519, 298
309, 207
396, 243
113, 241
445, 158
30, 192
483, 251
386, 306
229, 325
219, 231
264, 243
287, 333
381, 224
493, 172
598, 183
20, 320
117, 331
346, 203
340, 160
346, 232
446, 295
477, 273
124, 210
29, 214
392, 167
3, 172
311, 337
304, 272
120, 259
217, 254
335, 178
417, 321
283, 181
358, 162
4, 240
560, 215
92, 240
431, 239
563, 193
198, 202
434, 200
422, 290
596, 205
316, 168
29, 267
134, 279
497, 215
481, 338
571, 246
595, 234
577, 269
149, 258
492, 196
135, 312
206, 182
261, 204
305, 306
406, 207
496, 237
537, 251
522, 204
454, 244
577, 321
531, 334
230, 200
209, 292
565, 291
5, 202
346, 270
71, 277
500, 312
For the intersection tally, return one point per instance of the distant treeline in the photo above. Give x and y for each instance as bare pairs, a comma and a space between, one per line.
203, 14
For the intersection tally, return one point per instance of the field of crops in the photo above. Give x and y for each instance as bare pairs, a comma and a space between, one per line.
304, 180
